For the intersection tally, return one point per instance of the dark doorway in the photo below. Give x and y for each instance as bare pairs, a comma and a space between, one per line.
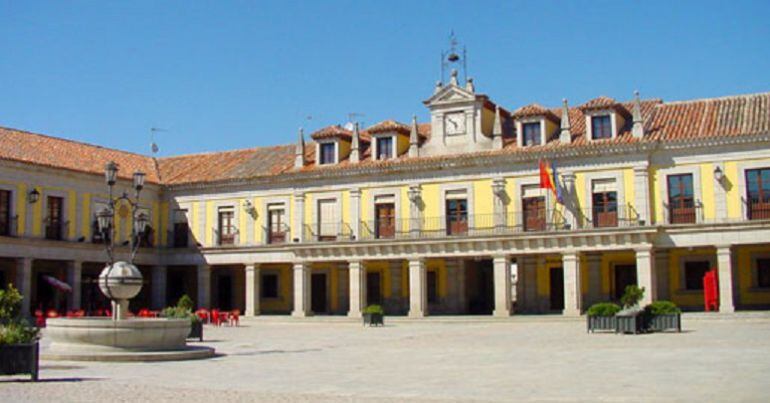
318, 293
2, 279
225, 292
625, 275
556, 275
480, 287
373, 287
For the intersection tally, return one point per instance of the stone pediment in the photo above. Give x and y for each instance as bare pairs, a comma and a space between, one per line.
450, 94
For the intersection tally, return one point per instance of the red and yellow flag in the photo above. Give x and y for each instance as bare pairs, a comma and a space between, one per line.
549, 179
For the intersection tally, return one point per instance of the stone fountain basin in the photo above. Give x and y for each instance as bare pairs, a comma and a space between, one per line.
93, 335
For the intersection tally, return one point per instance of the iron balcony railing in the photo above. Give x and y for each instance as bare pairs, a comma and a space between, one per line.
608, 216
328, 232
9, 226
276, 234
228, 236
756, 209
685, 212
56, 229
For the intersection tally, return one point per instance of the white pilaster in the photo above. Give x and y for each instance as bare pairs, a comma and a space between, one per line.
159, 279
301, 290
720, 195
24, 283
298, 212
502, 283
415, 216
725, 273
418, 289
204, 286
572, 295
499, 197
646, 276
357, 289
355, 211
642, 193
570, 198
252, 289
74, 271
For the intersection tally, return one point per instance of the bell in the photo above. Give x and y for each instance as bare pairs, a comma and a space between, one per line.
453, 57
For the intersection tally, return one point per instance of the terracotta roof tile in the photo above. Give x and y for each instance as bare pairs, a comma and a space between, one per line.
389, 126
334, 131
534, 110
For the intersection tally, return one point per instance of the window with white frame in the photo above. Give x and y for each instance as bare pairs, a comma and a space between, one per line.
601, 127
385, 149
531, 134
604, 202
226, 225
276, 223
327, 153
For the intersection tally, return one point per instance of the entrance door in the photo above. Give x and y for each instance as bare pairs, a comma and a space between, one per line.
385, 226
225, 292
373, 295
457, 216
318, 293
479, 286
534, 213
557, 288
625, 275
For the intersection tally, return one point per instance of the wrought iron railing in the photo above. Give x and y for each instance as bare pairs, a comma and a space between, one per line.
276, 234
756, 209
608, 217
56, 229
328, 232
683, 213
227, 237
9, 226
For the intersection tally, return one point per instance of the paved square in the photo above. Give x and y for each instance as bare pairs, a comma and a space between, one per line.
437, 359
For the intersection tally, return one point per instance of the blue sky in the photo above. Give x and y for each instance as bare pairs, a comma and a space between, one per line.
225, 75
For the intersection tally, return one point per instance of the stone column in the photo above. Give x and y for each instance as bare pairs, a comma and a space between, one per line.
253, 292
570, 199
74, 271
159, 276
502, 283
355, 212
357, 292
646, 276
661, 270
415, 216
24, 283
301, 290
418, 288
594, 262
725, 273
204, 286
572, 289
642, 193
298, 219
499, 197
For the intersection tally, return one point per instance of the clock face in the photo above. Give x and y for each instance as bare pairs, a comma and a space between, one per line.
454, 123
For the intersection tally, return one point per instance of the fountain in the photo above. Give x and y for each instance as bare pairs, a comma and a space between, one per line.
121, 338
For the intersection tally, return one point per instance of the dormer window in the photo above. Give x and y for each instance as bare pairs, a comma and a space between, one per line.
384, 148
327, 153
531, 134
601, 127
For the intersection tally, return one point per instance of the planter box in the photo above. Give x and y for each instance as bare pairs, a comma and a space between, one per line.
594, 323
20, 359
629, 323
373, 319
196, 331
660, 323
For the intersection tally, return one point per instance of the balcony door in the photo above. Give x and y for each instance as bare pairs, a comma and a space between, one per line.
55, 217
534, 213
604, 199
226, 225
385, 224
758, 193
457, 216
328, 220
276, 224
681, 202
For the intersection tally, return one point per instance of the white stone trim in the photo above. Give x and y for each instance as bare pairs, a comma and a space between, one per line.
520, 122
663, 175
394, 145
336, 143
236, 206
603, 112
519, 185
316, 197
374, 194
744, 166
450, 187
266, 203
590, 177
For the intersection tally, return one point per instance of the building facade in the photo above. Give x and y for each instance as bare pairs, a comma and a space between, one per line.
443, 217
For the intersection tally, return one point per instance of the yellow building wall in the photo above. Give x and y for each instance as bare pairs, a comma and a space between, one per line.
344, 149
333, 291
402, 144
195, 222
707, 191
382, 267
629, 192
37, 214
733, 194
21, 209
483, 204
680, 296
487, 121
439, 266
261, 221
748, 293
608, 260
208, 229
285, 293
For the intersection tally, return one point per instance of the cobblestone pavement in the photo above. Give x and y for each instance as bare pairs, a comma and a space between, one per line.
716, 358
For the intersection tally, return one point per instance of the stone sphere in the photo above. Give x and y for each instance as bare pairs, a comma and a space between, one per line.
122, 280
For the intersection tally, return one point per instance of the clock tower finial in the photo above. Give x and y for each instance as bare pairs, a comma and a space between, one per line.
454, 59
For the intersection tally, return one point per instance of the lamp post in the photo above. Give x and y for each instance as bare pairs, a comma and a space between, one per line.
121, 281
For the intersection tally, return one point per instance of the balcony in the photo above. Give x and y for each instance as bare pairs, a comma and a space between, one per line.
328, 232
9, 225
757, 209
226, 236
55, 230
276, 234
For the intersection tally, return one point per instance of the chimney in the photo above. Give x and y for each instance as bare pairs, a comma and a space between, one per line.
565, 135
638, 129
299, 151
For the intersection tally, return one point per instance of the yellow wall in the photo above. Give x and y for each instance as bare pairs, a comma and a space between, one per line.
344, 149
609, 259
439, 266
285, 293
382, 267
707, 190
402, 144
748, 293
680, 296
629, 192
733, 194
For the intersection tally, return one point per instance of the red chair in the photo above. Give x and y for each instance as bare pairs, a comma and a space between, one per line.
204, 315
52, 313
39, 318
80, 313
235, 318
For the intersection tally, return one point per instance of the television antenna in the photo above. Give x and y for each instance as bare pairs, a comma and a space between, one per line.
352, 119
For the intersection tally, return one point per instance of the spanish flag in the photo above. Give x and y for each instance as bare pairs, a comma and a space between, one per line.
549, 179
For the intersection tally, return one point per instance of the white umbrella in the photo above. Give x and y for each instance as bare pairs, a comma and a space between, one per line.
58, 284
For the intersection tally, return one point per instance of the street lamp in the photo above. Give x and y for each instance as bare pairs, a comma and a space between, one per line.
111, 173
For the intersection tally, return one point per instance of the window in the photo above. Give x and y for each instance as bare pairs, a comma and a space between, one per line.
681, 203
694, 272
533, 208
328, 220
385, 216
226, 227
432, 287
456, 214
55, 223
531, 134
269, 286
328, 153
384, 148
604, 202
601, 127
276, 222
181, 229
5, 212
763, 273
758, 193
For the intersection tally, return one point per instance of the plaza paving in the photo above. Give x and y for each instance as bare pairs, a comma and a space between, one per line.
716, 358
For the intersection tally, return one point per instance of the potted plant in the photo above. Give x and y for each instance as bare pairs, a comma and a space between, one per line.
373, 315
663, 315
601, 316
19, 348
630, 319
183, 310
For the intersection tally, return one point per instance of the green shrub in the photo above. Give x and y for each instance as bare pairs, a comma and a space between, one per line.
10, 304
176, 312
603, 309
17, 332
662, 308
185, 302
374, 309
631, 296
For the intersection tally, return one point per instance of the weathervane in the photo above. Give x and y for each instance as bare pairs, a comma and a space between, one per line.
154, 146
451, 59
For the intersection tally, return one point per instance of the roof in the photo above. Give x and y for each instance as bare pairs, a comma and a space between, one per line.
534, 110
603, 102
334, 131
674, 121
388, 126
